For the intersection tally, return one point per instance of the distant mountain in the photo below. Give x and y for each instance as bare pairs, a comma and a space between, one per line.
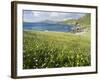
45, 21
83, 21
70, 21
49, 21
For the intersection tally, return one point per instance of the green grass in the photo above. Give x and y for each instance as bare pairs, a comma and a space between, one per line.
55, 49
84, 21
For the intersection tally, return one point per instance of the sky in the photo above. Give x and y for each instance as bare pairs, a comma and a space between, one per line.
38, 16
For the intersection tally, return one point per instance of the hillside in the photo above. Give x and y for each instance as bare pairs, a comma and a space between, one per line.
84, 21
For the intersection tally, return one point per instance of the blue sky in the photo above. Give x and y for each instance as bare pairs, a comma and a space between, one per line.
38, 16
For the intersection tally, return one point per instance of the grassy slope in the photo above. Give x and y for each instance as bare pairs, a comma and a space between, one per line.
83, 21
55, 49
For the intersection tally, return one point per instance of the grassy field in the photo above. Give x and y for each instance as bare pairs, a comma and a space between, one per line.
55, 49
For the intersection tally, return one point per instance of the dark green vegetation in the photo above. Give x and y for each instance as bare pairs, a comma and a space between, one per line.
55, 49
84, 21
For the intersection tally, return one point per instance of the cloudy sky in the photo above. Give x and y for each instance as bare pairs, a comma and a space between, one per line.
38, 16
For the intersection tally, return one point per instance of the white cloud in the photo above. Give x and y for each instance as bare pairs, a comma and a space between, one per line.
36, 16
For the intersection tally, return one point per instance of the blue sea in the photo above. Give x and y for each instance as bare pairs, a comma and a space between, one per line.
47, 27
